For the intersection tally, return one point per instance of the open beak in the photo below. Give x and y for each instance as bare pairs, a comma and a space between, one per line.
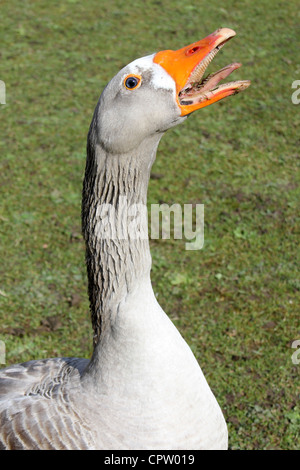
187, 66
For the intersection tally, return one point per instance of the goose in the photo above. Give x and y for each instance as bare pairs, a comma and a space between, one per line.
142, 388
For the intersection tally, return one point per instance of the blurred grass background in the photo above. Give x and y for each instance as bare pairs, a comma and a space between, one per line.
236, 301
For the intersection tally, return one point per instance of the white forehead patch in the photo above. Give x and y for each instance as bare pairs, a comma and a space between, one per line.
160, 78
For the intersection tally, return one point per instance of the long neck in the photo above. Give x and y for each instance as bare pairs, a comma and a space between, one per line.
114, 222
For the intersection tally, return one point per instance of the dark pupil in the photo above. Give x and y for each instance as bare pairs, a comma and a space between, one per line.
131, 82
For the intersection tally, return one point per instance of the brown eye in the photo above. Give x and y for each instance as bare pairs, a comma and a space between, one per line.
132, 81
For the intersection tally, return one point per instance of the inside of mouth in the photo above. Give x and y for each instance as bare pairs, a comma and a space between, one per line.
210, 83
199, 87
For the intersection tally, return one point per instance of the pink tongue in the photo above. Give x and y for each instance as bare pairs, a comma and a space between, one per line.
220, 75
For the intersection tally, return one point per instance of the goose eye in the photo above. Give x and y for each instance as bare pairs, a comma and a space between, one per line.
132, 81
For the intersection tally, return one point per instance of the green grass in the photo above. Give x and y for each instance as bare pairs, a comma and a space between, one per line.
236, 301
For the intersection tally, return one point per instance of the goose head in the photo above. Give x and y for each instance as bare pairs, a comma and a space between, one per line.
156, 92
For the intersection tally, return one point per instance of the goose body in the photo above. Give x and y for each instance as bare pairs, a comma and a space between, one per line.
142, 387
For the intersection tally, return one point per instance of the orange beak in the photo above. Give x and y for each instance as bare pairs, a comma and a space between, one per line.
187, 66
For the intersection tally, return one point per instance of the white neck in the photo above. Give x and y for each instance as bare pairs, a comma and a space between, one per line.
117, 252
141, 370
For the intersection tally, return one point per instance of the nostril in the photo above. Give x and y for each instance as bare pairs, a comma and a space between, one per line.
193, 50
